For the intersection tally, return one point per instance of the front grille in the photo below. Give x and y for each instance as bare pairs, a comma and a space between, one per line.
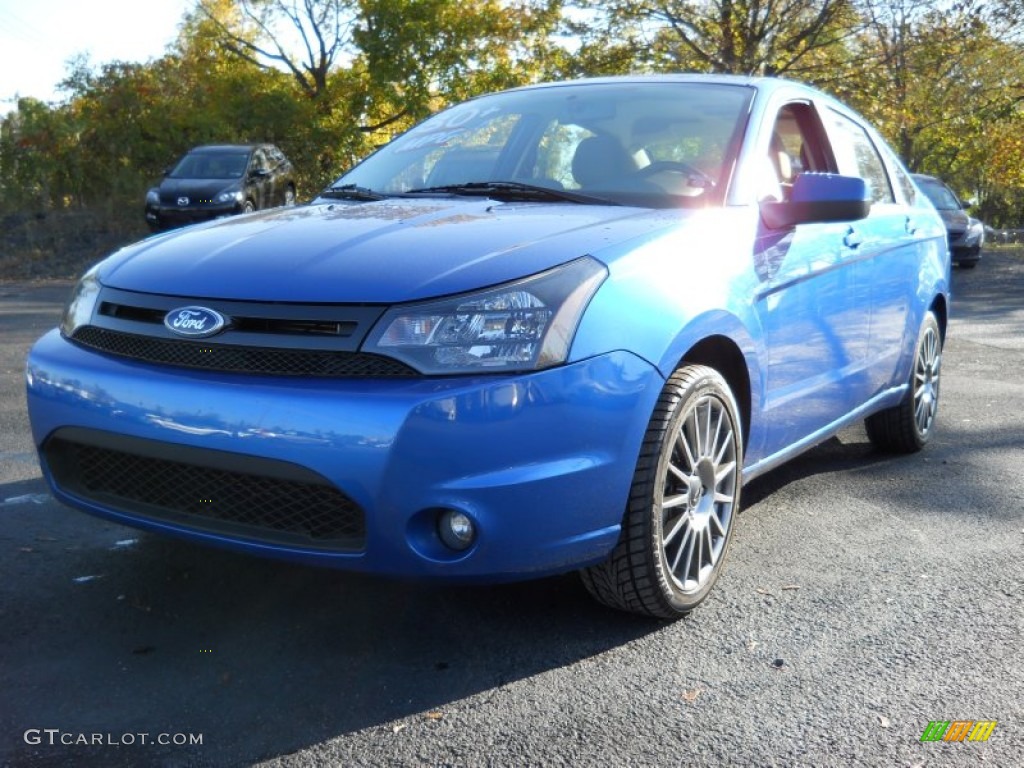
241, 359
274, 502
268, 325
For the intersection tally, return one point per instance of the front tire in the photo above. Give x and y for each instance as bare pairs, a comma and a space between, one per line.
682, 503
905, 428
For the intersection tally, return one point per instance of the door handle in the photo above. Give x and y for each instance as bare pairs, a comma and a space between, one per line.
852, 238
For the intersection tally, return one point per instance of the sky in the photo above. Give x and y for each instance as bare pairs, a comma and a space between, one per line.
38, 37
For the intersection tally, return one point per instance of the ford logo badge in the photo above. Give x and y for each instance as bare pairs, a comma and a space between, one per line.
195, 322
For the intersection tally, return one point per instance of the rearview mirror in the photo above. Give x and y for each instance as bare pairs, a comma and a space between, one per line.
819, 197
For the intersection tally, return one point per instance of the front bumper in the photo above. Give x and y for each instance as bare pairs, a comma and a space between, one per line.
965, 247
164, 217
541, 462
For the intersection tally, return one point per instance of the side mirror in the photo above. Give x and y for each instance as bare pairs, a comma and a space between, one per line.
818, 198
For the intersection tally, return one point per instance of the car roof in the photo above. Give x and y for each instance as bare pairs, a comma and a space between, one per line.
205, 148
926, 177
756, 81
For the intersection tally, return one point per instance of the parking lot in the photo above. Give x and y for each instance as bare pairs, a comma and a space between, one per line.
866, 596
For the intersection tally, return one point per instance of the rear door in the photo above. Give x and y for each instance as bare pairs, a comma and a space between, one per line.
891, 242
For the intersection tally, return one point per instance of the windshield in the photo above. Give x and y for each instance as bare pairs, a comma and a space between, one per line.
211, 165
647, 143
940, 195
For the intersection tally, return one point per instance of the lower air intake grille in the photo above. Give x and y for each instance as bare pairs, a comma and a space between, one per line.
273, 502
237, 359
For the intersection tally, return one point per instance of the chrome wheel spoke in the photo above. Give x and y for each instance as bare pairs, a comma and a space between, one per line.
726, 442
671, 502
686, 545
717, 524
676, 528
710, 549
684, 443
701, 487
698, 558
723, 498
695, 418
724, 471
707, 447
927, 368
679, 474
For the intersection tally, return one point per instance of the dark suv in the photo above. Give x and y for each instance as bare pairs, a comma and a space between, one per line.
966, 234
221, 180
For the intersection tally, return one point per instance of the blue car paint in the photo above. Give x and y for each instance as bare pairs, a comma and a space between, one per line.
500, 439
378, 252
823, 317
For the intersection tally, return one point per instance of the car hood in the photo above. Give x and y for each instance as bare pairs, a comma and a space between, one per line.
377, 252
195, 189
955, 220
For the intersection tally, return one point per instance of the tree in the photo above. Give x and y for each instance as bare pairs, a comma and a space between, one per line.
304, 37
756, 37
425, 53
945, 84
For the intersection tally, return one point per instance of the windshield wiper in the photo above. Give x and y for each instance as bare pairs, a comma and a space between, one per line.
352, 192
508, 191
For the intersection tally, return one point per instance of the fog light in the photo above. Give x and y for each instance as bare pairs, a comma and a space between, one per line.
456, 529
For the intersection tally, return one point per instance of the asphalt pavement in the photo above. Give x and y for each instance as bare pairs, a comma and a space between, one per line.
866, 596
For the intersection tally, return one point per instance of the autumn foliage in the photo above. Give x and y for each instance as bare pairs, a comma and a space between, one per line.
330, 80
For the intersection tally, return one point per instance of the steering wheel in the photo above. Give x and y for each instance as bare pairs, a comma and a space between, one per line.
675, 166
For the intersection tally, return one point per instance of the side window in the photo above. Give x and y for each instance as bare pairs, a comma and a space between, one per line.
903, 181
797, 145
857, 156
259, 161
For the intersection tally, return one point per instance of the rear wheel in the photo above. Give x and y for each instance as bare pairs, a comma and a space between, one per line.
905, 428
682, 504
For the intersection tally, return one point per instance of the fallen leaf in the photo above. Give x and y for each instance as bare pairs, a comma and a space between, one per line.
398, 728
883, 721
691, 696
791, 586
763, 591
434, 715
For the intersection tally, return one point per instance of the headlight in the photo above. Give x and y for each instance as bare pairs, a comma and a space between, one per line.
976, 231
83, 301
153, 197
232, 196
525, 325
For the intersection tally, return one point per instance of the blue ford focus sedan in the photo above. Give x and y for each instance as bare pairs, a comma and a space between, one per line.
555, 328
